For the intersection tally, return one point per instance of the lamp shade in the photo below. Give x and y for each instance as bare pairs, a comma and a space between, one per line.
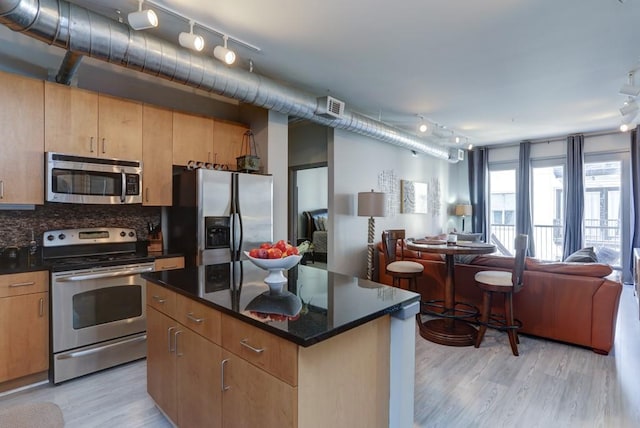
372, 204
463, 209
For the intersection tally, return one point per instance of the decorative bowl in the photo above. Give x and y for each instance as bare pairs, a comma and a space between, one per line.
276, 279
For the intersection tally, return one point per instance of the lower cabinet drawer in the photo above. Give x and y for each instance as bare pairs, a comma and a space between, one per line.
161, 299
198, 317
17, 284
271, 353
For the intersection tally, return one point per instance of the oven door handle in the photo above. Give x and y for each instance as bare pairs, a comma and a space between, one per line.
91, 351
102, 275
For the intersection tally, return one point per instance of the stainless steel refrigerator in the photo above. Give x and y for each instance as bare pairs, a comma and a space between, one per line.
217, 215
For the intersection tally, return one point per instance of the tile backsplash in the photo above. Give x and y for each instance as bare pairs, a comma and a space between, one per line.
16, 225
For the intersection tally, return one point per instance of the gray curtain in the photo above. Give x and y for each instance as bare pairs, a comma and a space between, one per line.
478, 173
523, 195
574, 196
635, 194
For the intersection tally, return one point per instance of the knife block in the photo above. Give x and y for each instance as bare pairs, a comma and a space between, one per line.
155, 242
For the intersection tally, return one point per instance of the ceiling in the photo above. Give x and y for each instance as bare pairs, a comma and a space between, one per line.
492, 71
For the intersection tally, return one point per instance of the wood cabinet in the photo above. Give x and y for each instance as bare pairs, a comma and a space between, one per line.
22, 134
24, 324
169, 263
241, 375
183, 367
192, 138
90, 124
227, 142
206, 140
157, 152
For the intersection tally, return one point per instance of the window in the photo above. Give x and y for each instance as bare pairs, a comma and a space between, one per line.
602, 210
548, 218
502, 206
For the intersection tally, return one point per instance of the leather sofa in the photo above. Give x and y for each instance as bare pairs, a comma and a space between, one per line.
576, 303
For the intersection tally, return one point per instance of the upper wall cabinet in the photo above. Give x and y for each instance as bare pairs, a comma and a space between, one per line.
22, 134
157, 130
206, 140
192, 138
90, 124
227, 142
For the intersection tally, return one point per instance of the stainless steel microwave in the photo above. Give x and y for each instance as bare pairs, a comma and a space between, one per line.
87, 180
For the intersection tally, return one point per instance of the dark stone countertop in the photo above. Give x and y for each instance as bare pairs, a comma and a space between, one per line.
331, 303
26, 262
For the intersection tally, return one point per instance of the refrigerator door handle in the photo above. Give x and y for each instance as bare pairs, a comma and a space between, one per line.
237, 235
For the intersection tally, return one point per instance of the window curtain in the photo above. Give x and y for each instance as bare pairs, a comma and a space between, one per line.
478, 172
574, 196
634, 221
523, 195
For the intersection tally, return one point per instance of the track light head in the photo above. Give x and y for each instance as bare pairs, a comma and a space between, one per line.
629, 107
224, 54
142, 19
630, 88
190, 40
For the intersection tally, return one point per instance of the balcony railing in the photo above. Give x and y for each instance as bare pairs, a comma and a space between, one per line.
603, 235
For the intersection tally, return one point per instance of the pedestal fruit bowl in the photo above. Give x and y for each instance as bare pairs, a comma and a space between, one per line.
276, 267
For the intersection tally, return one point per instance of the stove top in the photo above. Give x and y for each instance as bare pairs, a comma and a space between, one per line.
72, 249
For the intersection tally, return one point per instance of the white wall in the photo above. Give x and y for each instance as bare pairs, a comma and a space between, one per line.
355, 163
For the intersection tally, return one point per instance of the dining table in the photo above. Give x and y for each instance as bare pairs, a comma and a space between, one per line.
449, 325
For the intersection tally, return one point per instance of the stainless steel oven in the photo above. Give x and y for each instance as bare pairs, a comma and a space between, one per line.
98, 310
99, 319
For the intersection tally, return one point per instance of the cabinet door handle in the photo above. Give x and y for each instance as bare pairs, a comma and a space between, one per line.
91, 144
159, 299
22, 284
146, 194
104, 145
194, 319
1, 189
244, 342
222, 364
41, 309
175, 342
169, 330
169, 267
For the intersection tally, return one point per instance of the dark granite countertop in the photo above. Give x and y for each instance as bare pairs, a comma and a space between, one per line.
331, 303
26, 262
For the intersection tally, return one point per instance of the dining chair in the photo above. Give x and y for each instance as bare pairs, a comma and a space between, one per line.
397, 267
505, 283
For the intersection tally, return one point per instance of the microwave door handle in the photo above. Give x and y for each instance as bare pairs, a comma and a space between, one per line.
123, 191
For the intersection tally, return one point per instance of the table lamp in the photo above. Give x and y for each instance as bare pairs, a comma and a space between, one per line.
371, 204
463, 210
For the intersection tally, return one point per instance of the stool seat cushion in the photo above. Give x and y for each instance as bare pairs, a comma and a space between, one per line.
32, 415
405, 267
494, 277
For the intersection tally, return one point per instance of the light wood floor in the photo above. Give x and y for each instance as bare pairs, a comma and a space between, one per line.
549, 385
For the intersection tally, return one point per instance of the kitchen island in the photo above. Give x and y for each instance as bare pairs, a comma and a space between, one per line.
330, 350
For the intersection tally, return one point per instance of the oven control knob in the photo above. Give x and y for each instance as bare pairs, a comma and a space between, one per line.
131, 234
61, 236
50, 237
123, 234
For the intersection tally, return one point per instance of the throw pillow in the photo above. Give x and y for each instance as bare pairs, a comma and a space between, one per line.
584, 255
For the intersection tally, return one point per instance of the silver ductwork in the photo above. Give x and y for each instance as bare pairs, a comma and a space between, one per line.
82, 32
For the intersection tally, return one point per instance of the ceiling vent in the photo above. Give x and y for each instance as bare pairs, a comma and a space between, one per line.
330, 107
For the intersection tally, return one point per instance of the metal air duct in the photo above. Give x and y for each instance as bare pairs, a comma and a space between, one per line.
82, 32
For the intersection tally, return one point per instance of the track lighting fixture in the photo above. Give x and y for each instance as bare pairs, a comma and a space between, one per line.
630, 106
630, 88
142, 19
223, 53
190, 40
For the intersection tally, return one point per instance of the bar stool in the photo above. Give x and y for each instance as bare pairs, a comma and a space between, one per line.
399, 269
505, 283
